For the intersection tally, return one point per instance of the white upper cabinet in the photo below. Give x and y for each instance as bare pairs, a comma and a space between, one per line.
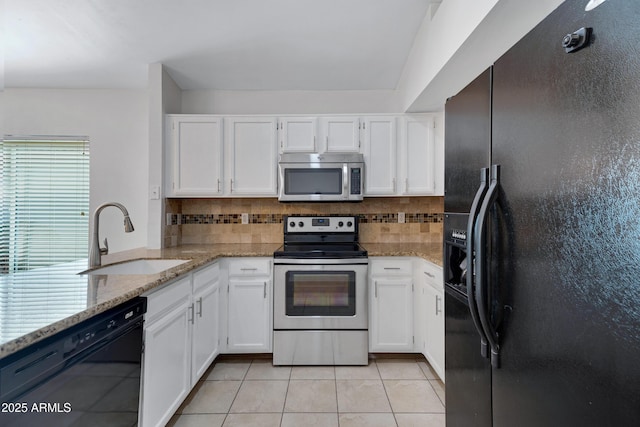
214, 156
380, 149
196, 153
418, 157
412, 164
341, 134
297, 134
252, 156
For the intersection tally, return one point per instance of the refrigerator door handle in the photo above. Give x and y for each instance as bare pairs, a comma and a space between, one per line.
471, 237
480, 243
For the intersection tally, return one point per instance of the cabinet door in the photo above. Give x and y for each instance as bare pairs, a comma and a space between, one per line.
166, 378
420, 315
391, 315
249, 315
418, 156
380, 155
297, 134
434, 349
206, 300
253, 156
341, 134
196, 156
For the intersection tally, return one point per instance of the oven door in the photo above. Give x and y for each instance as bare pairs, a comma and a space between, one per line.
320, 296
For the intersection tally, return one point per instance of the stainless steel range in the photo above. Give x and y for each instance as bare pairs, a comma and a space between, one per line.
320, 312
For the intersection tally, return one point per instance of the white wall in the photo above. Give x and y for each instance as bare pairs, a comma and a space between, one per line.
453, 46
116, 122
164, 97
462, 40
290, 102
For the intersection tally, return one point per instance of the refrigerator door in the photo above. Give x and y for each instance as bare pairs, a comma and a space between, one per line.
467, 142
468, 373
566, 131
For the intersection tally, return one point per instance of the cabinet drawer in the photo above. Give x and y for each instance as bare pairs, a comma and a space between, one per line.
250, 267
433, 275
205, 276
171, 295
390, 267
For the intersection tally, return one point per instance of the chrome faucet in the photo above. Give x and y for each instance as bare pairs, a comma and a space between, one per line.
96, 252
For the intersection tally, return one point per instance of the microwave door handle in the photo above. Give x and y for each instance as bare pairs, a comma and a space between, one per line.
345, 181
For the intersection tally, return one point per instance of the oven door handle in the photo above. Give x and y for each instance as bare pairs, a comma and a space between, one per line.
318, 261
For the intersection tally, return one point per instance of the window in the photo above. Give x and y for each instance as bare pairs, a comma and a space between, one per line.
44, 202
44, 231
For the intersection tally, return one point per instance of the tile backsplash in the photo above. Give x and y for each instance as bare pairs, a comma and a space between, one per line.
198, 221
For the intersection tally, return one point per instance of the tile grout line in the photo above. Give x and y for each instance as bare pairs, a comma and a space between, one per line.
384, 387
244, 379
286, 396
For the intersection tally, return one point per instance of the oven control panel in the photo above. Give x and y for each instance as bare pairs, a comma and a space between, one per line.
320, 224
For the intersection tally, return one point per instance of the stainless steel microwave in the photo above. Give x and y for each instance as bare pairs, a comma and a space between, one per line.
329, 177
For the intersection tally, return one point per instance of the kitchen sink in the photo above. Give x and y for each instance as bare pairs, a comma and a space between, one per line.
138, 266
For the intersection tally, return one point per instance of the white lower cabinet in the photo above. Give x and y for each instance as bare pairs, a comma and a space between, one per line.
434, 349
406, 306
180, 342
431, 314
391, 305
191, 320
206, 337
249, 306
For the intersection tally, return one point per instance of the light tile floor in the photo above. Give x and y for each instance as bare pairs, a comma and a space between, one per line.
245, 392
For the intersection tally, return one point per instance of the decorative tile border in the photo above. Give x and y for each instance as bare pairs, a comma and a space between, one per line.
376, 218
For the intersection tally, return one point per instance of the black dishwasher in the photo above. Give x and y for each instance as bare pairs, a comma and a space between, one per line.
88, 375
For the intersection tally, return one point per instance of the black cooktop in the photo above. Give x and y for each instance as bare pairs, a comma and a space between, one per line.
320, 250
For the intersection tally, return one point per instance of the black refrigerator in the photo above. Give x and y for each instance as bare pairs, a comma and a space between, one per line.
542, 228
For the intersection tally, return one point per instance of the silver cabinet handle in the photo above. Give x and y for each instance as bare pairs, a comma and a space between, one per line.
248, 269
394, 185
218, 185
200, 307
191, 319
375, 283
429, 274
438, 309
392, 268
231, 185
265, 289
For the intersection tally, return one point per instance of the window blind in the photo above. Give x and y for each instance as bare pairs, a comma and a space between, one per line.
44, 231
45, 202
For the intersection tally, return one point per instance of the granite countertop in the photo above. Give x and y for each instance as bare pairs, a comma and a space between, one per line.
430, 251
39, 303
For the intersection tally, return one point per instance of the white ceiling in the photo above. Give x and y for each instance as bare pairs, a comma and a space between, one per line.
210, 44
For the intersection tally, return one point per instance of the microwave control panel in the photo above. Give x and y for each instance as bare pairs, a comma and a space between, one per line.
356, 180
